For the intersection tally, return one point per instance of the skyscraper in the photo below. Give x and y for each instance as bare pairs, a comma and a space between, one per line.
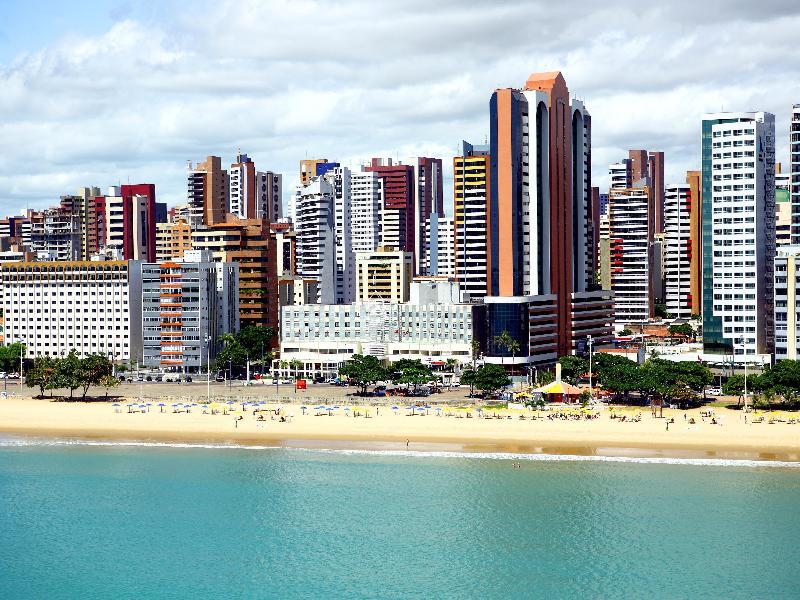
540, 287
677, 250
470, 218
428, 199
738, 166
207, 192
398, 228
694, 180
794, 161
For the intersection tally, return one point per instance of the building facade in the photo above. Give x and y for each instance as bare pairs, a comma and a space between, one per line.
470, 218
384, 275
794, 170
187, 304
738, 160
92, 307
678, 250
787, 288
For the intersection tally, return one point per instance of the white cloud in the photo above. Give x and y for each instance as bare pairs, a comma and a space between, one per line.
351, 79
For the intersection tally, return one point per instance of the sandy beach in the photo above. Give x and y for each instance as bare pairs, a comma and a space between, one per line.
425, 430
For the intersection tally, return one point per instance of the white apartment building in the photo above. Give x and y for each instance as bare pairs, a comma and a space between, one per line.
630, 229
739, 169
187, 304
344, 259
620, 174
315, 245
93, 307
677, 250
787, 286
366, 189
439, 247
322, 337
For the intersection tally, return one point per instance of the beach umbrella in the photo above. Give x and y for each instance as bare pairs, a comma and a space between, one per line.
395, 408
161, 406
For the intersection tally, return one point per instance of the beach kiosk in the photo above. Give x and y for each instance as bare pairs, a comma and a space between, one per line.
559, 391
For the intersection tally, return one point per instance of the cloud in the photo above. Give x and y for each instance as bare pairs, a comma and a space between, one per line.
350, 79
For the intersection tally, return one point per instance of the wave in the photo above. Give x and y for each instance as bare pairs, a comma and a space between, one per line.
531, 457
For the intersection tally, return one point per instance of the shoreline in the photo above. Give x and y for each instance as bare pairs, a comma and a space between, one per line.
388, 431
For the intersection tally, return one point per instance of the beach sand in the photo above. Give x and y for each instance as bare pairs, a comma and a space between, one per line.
388, 429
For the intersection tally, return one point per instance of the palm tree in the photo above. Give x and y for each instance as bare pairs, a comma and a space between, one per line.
504, 340
513, 347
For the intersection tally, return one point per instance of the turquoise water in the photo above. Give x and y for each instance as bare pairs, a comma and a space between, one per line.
163, 522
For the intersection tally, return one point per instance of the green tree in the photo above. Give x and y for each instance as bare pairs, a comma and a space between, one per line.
511, 345
296, 364
108, 382
10, 357
616, 374
407, 371
683, 329
626, 332
363, 371
573, 368
93, 369
41, 374
545, 377
68, 372
468, 378
491, 378
734, 386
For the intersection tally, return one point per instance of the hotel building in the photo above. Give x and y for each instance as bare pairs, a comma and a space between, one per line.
92, 306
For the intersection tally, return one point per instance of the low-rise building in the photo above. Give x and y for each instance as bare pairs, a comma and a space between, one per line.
323, 336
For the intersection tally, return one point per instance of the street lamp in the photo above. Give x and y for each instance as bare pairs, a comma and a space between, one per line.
591, 395
208, 367
744, 355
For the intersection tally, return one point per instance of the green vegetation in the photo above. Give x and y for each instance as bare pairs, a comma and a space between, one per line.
573, 368
509, 343
10, 357
490, 379
363, 371
683, 329
410, 372
253, 341
626, 332
70, 372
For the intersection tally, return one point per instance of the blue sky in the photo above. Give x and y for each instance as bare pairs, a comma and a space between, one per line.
106, 92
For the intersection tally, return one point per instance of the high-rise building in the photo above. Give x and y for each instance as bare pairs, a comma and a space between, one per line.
787, 295
540, 289
172, 240
398, 228
620, 175
783, 207
470, 218
187, 304
249, 244
315, 246
694, 180
207, 192
428, 199
738, 159
439, 236
254, 194
384, 275
631, 253
55, 233
314, 167
677, 250
366, 192
794, 169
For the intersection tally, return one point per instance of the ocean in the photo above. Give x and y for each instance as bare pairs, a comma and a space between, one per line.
183, 521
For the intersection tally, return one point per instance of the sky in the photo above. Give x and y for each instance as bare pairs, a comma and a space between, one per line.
109, 92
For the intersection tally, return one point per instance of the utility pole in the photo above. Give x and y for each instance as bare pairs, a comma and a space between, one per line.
591, 395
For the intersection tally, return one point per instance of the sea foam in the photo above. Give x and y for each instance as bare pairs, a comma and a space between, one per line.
531, 457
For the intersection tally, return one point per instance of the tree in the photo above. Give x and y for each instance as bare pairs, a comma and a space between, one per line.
363, 371
108, 382
660, 310
509, 343
93, 369
490, 378
468, 377
684, 329
256, 339
615, 374
626, 332
734, 386
41, 374
545, 377
68, 372
408, 371
10, 357
296, 364
573, 368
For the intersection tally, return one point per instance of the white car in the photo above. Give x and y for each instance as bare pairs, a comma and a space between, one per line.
714, 392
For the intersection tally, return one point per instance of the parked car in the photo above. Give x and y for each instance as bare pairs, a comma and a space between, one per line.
714, 391
219, 378
188, 379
